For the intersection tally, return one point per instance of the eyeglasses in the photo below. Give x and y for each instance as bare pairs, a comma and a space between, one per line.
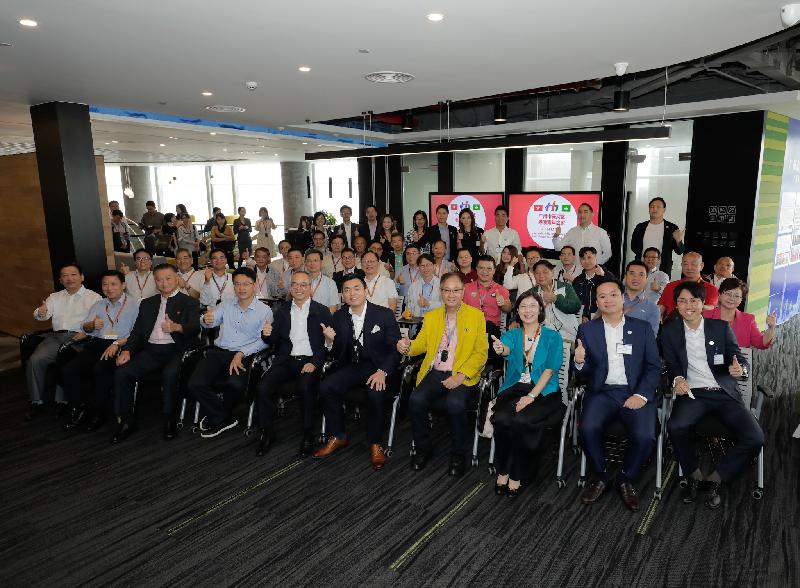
452, 290
138, 259
300, 284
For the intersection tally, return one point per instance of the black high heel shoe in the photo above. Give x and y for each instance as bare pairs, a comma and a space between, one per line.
500, 489
513, 492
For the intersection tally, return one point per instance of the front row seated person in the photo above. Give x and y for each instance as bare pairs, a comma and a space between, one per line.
363, 338
224, 368
67, 309
453, 339
618, 356
297, 335
703, 362
87, 378
167, 325
529, 395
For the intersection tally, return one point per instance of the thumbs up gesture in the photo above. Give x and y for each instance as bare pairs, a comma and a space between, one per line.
328, 332
558, 232
498, 346
98, 323
267, 330
580, 352
654, 286
42, 310
168, 326
677, 234
403, 345
736, 369
208, 317
772, 318
422, 301
207, 274
500, 300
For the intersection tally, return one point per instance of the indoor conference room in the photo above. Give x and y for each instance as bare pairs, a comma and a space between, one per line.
321, 294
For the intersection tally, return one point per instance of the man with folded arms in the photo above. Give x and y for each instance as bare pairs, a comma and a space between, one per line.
363, 337
703, 362
190, 280
66, 308
618, 356
167, 325
244, 318
87, 377
297, 334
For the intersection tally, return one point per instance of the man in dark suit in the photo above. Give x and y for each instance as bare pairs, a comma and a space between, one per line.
704, 361
347, 229
363, 337
370, 229
350, 269
167, 325
619, 357
441, 231
659, 233
297, 335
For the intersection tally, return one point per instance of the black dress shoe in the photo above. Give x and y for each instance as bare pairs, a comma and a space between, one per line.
629, 497
514, 492
34, 410
123, 431
420, 459
265, 442
500, 489
62, 409
170, 430
456, 467
713, 499
76, 418
593, 492
689, 492
95, 423
306, 446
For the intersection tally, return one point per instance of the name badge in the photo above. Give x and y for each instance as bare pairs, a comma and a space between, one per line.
624, 349
719, 359
525, 378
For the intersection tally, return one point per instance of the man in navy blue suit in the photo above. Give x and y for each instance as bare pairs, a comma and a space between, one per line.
619, 357
297, 334
704, 361
364, 339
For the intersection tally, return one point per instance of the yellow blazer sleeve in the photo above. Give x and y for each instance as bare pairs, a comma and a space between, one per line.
477, 353
420, 343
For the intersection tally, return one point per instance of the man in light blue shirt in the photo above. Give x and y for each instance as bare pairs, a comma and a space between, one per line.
423, 294
635, 302
323, 288
656, 279
409, 273
226, 362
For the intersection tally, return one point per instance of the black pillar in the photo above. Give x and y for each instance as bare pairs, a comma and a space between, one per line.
62, 133
615, 161
394, 183
366, 186
380, 187
446, 162
515, 170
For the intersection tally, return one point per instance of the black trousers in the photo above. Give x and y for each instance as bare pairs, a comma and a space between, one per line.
332, 393
518, 435
732, 413
87, 379
162, 358
281, 372
211, 377
457, 401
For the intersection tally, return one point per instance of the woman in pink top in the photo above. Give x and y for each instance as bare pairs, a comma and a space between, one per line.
731, 293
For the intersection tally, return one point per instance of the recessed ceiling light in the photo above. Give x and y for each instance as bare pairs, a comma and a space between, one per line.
207, 93
27, 22
275, 154
436, 17
304, 68
224, 149
161, 145
115, 141
212, 133
108, 143
305, 143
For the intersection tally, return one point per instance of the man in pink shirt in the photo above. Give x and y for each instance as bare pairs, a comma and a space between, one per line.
490, 298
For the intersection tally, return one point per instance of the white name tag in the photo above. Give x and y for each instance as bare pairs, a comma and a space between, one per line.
525, 378
624, 349
719, 359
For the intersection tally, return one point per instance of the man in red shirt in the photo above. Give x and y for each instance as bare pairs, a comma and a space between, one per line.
691, 266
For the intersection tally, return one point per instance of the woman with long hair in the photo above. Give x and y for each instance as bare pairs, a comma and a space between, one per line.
222, 237
509, 257
385, 230
469, 234
417, 232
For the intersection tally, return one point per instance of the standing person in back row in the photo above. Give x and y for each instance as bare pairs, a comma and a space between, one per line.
242, 227
586, 234
152, 219
500, 236
659, 234
441, 231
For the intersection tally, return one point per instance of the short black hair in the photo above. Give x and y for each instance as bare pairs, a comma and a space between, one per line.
314, 252
499, 208
318, 232
164, 266
412, 246
568, 247
368, 206
485, 258
241, 208
213, 251
182, 250
71, 264
246, 272
293, 249
370, 252
696, 289
530, 293
545, 263
532, 248
435, 241
587, 205
142, 250
584, 250
427, 256
343, 206
264, 249
215, 210
651, 249
449, 275
442, 206
149, 203
116, 212
352, 277
348, 250
636, 262
658, 199
337, 236
112, 273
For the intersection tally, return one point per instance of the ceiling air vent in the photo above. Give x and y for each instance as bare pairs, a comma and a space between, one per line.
224, 108
388, 77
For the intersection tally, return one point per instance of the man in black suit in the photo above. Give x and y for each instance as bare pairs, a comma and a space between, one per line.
441, 231
350, 269
370, 229
659, 233
704, 361
297, 335
363, 337
167, 325
347, 229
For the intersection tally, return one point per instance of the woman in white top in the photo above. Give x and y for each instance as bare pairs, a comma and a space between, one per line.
523, 282
265, 225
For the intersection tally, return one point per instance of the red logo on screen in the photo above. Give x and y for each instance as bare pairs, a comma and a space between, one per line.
454, 207
537, 207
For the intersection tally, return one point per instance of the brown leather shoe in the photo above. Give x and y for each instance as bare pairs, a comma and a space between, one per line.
377, 456
629, 496
332, 445
593, 492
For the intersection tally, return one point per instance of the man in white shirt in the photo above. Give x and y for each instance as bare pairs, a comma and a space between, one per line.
281, 264
332, 262
217, 284
323, 288
294, 257
656, 279
190, 280
380, 289
723, 270
266, 278
500, 236
423, 294
586, 234
348, 230
67, 309
140, 283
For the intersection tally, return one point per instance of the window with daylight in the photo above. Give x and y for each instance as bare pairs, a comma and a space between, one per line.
257, 185
335, 183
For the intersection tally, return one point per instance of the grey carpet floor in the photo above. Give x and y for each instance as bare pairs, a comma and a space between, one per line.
75, 510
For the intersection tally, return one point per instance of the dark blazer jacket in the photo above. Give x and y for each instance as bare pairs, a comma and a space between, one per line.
282, 325
181, 309
667, 247
642, 366
339, 230
432, 234
720, 339
381, 334
339, 277
363, 230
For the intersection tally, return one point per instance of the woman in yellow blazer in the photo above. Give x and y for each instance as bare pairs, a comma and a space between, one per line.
453, 339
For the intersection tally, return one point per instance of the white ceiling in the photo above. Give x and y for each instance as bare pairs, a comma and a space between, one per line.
158, 56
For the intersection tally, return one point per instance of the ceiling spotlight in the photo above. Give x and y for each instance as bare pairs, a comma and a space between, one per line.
436, 17
161, 145
408, 121
207, 93
212, 133
622, 100
27, 22
305, 143
115, 142
108, 143
275, 154
304, 68
500, 113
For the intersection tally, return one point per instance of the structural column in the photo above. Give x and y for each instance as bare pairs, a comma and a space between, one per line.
295, 178
138, 178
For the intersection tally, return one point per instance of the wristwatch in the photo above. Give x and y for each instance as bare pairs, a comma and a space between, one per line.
531, 395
